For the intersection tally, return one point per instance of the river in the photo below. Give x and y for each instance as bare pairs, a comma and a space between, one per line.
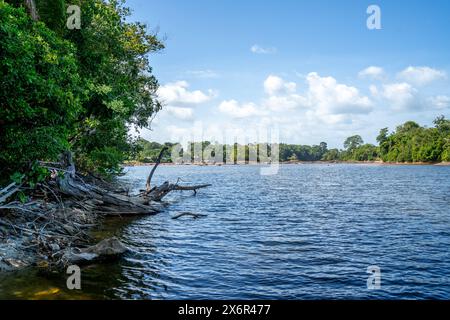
308, 232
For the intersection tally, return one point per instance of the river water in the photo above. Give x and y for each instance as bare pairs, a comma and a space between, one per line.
308, 232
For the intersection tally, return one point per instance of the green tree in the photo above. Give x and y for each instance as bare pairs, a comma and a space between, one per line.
74, 89
119, 85
353, 142
39, 93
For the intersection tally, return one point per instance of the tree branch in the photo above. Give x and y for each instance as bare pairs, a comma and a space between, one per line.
158, 160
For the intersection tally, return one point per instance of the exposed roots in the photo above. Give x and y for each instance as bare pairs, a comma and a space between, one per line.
60, 212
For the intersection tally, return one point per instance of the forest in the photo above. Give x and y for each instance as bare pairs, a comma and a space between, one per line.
408, 143
72, 89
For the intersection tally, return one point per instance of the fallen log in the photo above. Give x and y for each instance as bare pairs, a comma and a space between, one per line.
104, 250
70, 185
67, 204
8, 191
194, 215
193, 188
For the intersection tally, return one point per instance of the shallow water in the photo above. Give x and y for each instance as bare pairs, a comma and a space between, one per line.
309, 232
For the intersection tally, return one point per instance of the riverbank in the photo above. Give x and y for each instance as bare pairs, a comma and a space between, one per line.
50, 226
49, 231
377, 162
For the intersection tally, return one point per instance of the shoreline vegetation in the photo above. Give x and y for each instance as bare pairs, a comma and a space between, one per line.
330, 162
409, 143
69, 97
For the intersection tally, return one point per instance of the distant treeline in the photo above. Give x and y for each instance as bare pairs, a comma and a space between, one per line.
410, 142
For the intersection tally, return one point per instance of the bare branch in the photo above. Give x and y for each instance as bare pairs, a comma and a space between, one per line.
158, 160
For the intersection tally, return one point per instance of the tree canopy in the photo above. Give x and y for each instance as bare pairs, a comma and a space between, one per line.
409, 143
73, 89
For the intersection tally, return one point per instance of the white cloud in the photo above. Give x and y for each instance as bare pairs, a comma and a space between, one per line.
324, 95
236, 110
421, 76
177, 94
374, 90
285, 103
260, 50
180, 113
440, 102
327, 96
401, 96
372, 72
274, 85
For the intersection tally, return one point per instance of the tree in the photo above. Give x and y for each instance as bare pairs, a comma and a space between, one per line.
120, 90
40, 91
323, 147
74, 89
53, 14
331, 155
413, 143
353, 142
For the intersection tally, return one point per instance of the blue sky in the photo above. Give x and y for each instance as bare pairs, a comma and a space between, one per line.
311, 69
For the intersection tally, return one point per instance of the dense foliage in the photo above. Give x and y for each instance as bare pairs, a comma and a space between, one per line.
39, 91
73, 89
409, 143
413, 143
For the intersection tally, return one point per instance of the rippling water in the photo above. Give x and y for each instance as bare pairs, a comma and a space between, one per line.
309, 232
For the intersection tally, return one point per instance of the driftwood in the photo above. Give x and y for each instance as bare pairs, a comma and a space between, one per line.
158, 193
117, 204
61, 210
194, 215
8, 192
158, 161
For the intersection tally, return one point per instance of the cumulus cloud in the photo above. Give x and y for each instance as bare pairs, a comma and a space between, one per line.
401, 96
261, 50
274, 85
237, 110
177, 94
324, 95
421, 76
285, 103
372, 72
440, 102
330, 97
180, 113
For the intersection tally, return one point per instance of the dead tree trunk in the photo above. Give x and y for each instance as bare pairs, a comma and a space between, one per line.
8, 192
158, 193
110, 203
158, 161
99, 199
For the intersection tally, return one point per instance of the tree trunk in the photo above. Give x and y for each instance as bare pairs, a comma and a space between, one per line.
32, 10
